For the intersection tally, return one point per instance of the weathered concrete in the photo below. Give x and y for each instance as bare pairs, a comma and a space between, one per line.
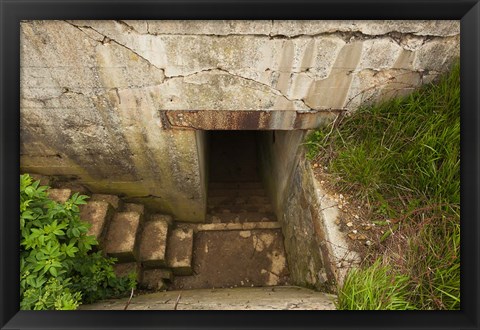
242, 258
96, 96
180, 251
156, 279
98, 214
153, 243
247, 119
113, 200
121, 237
59, 195
278, 298
161, 217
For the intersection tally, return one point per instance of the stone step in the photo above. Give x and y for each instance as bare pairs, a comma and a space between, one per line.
240, 217
113, 200
180, 251
236, 192
153, 244
229, 200
134, 207
59, 195
235, 185
242, 258
98, 214
121, 238
240, 208
230, 226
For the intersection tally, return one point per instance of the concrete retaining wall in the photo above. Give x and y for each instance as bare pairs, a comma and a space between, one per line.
92, 92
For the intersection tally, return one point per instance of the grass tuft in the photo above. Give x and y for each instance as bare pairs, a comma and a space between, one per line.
402, 157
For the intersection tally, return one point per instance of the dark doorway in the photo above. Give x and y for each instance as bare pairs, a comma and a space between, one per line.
233, 156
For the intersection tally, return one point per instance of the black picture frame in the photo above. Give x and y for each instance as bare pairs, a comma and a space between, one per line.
13, 11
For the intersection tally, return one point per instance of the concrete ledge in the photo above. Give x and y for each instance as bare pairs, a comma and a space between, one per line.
266, 298
247, 119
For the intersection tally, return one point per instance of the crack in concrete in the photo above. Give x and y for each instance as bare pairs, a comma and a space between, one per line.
115, 41
219, 69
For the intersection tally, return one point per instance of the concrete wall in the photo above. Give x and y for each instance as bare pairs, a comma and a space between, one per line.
92, 92
290, 185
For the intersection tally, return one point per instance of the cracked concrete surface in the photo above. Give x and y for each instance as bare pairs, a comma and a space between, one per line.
118, 76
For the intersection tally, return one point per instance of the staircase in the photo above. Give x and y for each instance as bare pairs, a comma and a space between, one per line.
239, 245
143, 243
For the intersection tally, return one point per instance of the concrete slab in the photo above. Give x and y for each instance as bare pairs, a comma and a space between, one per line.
238, 258
121, 236
232, 226
180, 251
98, 214
133, 207
153, 243
241, 217
113, 200
161, 217
242, 208
272, 298
59, 195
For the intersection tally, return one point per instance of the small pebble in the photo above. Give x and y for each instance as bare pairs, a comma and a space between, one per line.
354, 231
340, 206
368, 243
356, 216
349, 224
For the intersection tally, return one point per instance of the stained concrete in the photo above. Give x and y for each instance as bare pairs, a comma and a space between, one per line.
59, 195
153, 243
98, 214
96, 96
277, 298
236, 258
120, 241
180, 251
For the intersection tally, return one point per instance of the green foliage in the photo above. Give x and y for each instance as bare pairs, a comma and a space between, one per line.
58, 270
374, 288
402, 157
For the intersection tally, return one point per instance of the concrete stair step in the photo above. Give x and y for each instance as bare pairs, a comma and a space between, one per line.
153, 243
113, 200
98, 214
161, 217
235, 185
240, 208
229, 200
59, 195
241, 217
236, 192
121, 238
180, 251
134, 207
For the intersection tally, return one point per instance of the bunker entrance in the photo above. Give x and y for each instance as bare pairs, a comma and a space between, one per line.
241, 243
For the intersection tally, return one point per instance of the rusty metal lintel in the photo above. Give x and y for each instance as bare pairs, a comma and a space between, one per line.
247, 119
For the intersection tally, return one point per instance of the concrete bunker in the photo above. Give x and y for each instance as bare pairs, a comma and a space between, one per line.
257, 178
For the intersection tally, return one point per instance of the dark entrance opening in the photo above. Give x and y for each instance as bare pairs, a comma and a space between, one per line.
241, 243
233, 156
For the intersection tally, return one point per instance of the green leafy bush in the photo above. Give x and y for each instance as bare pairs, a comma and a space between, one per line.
58, 269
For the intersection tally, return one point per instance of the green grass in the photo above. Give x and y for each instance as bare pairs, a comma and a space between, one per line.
402, 157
